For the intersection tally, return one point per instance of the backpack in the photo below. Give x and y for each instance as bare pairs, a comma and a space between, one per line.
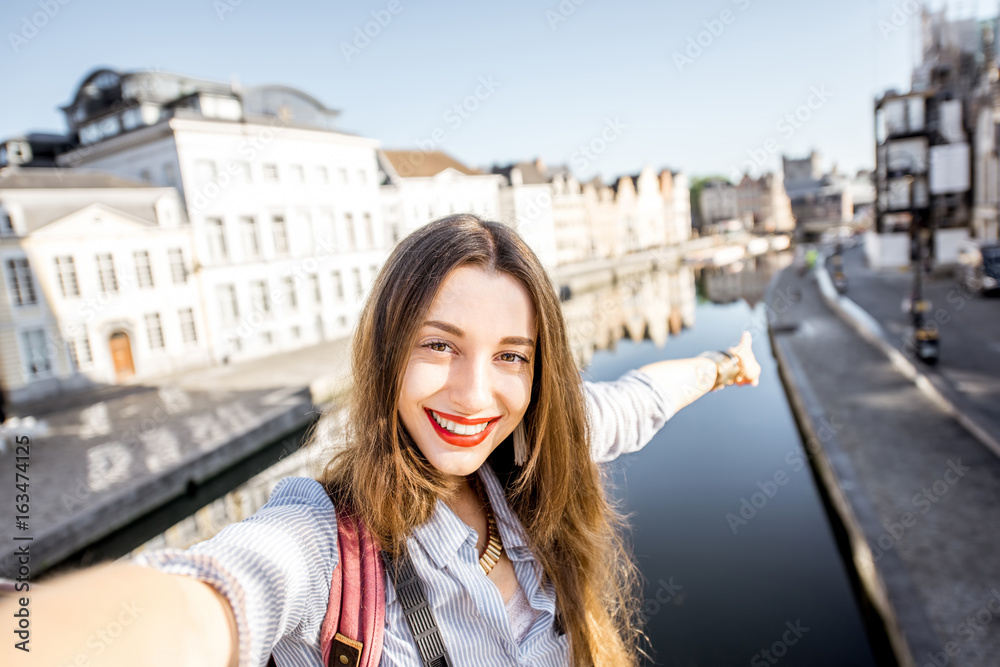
351, 635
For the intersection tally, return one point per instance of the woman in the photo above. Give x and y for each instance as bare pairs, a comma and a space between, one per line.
472, 446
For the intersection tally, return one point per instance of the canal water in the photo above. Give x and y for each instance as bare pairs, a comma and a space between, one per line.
728, 525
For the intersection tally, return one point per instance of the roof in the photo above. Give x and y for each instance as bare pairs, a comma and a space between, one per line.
530, 174
421, 164
42, 178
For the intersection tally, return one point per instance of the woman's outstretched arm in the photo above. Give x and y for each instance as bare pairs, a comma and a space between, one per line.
687, 380
123, 614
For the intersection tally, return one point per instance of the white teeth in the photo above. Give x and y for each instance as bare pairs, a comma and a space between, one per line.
459, 429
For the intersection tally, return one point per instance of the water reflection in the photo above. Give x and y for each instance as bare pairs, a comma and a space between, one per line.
720, 591
657, 303
650, 305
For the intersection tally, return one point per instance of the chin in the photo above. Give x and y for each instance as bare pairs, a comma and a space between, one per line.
459, 464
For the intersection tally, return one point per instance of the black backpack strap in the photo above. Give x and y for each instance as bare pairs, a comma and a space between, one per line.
416, 609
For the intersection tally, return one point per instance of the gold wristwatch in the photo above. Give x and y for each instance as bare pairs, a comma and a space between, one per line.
727, 367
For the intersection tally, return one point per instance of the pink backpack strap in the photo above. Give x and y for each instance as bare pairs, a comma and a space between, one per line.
355, 616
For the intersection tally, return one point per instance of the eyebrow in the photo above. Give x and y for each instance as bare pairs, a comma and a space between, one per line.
455, 331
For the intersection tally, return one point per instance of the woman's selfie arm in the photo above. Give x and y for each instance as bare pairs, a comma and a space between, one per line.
121, 614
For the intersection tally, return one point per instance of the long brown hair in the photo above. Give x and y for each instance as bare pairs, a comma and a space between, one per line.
558, 495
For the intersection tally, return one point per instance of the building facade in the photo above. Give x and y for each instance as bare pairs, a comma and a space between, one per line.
285, 209
99, 284
420, 186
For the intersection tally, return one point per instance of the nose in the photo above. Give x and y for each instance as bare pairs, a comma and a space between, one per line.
471, 386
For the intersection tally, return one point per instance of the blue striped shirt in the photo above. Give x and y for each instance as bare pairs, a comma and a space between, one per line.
275, 567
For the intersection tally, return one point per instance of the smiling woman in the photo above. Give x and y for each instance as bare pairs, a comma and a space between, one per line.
471, 457
467, 382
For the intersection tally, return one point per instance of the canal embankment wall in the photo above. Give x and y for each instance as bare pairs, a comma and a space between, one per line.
917, 494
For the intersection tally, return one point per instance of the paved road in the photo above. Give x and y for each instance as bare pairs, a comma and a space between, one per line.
969, 327
931, 492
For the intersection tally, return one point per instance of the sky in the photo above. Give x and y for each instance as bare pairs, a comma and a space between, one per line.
606, 87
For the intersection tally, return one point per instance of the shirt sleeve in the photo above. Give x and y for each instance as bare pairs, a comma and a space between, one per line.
625, 414
274, 567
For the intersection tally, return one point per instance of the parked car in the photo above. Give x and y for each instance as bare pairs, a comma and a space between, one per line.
979, 267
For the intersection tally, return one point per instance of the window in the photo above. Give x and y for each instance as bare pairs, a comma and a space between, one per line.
36, 352
178, 268
204, 171
342, 176
359, 286
270, 173
6, 226
154, 331
132, 118
323, 175
373, 271
266, 338
298, 174
280, 235
106, 273
290, 296
362, 177
216, 239
314, 281
143, 271
248, 230
338, 285
188, 333
79, 351
259, 301
21, 284
296, 332
227, 303
369, 229
66, 271
352, 240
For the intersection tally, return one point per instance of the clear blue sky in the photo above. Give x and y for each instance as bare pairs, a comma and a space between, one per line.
559, 82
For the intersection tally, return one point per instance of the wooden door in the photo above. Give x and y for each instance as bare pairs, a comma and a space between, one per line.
121, 354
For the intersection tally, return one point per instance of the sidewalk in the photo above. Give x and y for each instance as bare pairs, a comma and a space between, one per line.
113, 457
967, 375
917, 492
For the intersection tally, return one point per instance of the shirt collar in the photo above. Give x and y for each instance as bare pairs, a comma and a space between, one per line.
442, 536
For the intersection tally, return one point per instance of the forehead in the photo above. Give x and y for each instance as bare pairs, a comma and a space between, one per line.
475, 298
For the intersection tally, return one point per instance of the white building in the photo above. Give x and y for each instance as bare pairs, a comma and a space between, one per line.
602, 218
98, 284
526, 205
641, 211
569, 211
420, 186
676, 194
285, 209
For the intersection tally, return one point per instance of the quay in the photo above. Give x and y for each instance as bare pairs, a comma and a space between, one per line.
904, 452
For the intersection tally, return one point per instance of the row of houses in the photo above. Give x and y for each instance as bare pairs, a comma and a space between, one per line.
184, 222
800, 198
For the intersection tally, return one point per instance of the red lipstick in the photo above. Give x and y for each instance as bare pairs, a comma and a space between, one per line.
462, 440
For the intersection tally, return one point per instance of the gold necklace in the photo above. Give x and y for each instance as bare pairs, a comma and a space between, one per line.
494, 547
